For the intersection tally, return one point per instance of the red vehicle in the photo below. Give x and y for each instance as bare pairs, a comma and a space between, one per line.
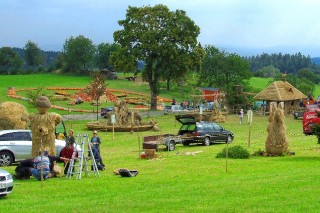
310, 119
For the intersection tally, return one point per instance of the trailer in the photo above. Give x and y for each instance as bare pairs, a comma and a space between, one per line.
167, 140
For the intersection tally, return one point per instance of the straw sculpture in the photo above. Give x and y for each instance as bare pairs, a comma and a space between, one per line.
277, 140
43, 127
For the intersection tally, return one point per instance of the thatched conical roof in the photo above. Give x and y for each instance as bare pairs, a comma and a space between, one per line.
280, 91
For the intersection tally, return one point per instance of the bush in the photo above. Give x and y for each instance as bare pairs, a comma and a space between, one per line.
236, 152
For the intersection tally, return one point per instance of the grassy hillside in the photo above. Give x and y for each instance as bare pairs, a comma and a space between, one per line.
259, 83
53, 80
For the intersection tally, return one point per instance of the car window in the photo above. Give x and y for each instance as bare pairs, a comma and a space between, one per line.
217, 127
191, 127
184, 127
209, 127
6, 137
200, 127
168, 107
22, 136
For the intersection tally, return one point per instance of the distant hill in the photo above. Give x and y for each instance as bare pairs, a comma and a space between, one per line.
316, 60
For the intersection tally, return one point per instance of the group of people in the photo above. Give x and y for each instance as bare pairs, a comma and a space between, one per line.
46, 165
185, 103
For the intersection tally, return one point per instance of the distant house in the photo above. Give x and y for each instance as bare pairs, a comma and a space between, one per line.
211, 94
281, 92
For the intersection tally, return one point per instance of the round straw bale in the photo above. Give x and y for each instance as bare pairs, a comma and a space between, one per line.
13, 116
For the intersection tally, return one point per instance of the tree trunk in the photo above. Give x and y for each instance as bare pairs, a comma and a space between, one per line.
153, 78
168, 84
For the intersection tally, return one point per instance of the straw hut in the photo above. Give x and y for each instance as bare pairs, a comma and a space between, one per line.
281, 91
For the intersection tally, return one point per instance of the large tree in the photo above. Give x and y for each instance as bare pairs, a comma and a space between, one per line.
10, 61
78, 53
104, 51
34, 56
223, 70
161, 38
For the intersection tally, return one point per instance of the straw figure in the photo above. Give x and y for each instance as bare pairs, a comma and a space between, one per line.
43, 127
217, 116
277, 141
13, 116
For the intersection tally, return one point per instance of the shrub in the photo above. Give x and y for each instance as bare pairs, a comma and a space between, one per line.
236, 152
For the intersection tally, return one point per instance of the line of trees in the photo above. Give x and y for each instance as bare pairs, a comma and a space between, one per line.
288, 63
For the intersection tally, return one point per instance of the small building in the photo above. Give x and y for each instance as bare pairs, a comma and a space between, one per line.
211, 94
281, 92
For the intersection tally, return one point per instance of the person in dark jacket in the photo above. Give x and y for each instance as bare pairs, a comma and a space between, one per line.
97, 157
95, 140
23, 170
70, 138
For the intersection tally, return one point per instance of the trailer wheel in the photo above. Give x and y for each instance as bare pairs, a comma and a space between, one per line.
172, 146
186, 143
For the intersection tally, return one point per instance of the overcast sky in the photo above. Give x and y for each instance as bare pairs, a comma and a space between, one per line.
242, 26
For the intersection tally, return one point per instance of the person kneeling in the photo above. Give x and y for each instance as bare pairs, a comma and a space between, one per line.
41, 162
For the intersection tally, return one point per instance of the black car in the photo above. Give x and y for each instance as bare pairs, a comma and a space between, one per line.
204, 132
105, 110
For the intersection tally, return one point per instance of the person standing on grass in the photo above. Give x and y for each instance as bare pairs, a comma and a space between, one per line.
241, 116
95, 140
70, 138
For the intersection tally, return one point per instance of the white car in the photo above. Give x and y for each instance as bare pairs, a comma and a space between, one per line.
6, 183
174, 109
16, 145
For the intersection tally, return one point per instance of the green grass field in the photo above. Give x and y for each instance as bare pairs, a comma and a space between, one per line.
177, 182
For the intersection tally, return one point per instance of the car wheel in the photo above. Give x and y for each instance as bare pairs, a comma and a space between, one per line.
172, 146
229, 139
207, 141
6, 158
3, 195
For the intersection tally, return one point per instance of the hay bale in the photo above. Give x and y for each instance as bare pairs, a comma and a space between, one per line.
13, 116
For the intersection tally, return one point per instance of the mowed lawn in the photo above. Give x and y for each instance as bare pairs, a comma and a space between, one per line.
178, 182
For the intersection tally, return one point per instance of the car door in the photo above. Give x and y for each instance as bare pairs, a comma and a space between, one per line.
22, 145
221, 134
6, 141
211, 132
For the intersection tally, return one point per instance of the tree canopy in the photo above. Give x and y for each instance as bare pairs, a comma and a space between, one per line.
10, 61
223, 70
166, 41
79, 53
104, 51
33, 54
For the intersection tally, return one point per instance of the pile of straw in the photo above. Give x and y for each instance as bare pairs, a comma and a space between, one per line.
13, 116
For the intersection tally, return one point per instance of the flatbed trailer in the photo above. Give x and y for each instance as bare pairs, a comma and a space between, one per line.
167, 140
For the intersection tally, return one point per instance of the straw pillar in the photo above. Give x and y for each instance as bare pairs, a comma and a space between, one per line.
277, 141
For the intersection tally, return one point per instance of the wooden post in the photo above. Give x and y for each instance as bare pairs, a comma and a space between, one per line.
139, 144
227, 153
112, 131
250, 115
132, 120
113, 121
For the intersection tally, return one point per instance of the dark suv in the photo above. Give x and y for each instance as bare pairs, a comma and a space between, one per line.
204, 132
